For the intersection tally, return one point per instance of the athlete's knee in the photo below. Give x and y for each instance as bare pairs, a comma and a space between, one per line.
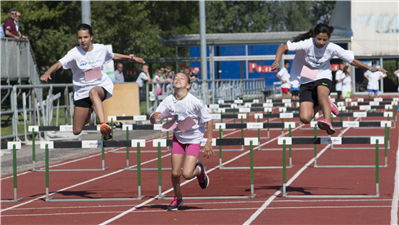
187, 175
305, 119
176, 174
93, 93
76, 131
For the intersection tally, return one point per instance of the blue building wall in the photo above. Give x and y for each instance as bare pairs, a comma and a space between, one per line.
237, 69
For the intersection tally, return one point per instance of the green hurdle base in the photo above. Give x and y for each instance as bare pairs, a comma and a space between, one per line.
376, 166
14, 157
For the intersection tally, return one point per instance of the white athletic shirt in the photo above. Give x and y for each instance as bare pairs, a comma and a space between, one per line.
338, 76
285, 76
192, 107
346, 84
318, 58
373, 79
296, 67
80, 61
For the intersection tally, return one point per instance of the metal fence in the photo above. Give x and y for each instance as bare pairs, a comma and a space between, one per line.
26, 100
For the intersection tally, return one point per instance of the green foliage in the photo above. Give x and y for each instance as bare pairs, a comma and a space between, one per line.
391, 65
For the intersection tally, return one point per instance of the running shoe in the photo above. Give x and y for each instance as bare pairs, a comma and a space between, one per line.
334, 108
326, 125
88, 116
175, 204
203, 179
105, 130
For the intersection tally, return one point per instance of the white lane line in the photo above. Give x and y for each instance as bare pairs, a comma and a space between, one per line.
171, 189
118, 171
395, 200
75, 185
203, 210
267, 203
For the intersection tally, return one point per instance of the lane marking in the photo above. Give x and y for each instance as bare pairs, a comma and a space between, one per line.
267, 203
395, 200
106, 175
204, 210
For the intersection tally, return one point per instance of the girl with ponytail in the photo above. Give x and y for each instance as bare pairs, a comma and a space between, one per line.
312, 66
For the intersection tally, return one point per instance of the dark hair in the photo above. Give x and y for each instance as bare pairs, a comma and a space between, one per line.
374, 62
84, 26
286, 61
344, 70
319, 28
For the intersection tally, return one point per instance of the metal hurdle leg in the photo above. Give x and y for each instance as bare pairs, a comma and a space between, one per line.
386, 140
51, 199
14, 167
373, 140
250, 142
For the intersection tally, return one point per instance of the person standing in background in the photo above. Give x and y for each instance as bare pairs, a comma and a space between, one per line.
373, 79
119, 78
284, 77
16, 21
347, 88
397, 75
339, 76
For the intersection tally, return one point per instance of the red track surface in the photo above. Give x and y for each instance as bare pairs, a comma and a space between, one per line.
117, 183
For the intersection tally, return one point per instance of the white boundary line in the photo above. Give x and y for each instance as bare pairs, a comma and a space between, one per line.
202, 210
395, 200
267, 203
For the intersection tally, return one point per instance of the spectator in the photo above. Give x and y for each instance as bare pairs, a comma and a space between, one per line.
9, 27
119, 79
2, 34
194, 74
142, 76
339, 77
284, 77
157, 79
347, 83
16, 21
373, 79
396, 72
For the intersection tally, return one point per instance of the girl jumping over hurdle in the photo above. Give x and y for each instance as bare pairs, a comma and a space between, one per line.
313, 64
92, 86
184, 107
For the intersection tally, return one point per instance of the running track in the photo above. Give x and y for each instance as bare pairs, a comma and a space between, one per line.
267, 208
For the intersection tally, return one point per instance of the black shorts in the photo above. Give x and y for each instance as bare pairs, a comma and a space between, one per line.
295, 93
86, 102
309, 91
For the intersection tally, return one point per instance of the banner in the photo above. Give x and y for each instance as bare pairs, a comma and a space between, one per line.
375, 26
108, 68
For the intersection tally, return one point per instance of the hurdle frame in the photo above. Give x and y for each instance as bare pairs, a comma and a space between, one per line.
14, 146
133, 143
216, 142
328, 140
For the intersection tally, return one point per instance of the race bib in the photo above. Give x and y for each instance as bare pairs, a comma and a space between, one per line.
309, 73
93, 74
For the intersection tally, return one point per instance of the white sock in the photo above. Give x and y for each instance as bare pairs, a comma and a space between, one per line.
199, 169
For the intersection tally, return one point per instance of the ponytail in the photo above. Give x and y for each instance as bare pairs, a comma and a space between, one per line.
319, 28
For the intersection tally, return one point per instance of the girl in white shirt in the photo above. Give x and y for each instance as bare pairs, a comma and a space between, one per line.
347, 83
315, 70
339, 75
91, 84
183, 105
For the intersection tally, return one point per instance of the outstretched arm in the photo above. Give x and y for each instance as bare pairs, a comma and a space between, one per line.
359, 64
52, 69
118, 57
280, 51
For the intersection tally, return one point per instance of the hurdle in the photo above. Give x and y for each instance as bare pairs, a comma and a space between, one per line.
14, 146
215, 142
329, 140
385, 124
33, 129
92, 144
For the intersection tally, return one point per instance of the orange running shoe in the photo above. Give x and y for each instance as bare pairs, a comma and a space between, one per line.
105, 130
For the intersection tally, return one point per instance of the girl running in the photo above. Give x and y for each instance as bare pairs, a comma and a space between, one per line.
183, 105
92, 86
315, 70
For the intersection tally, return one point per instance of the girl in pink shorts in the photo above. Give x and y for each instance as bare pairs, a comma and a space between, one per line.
186, 107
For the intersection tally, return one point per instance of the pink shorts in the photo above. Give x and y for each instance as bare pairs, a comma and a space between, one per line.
189, 149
